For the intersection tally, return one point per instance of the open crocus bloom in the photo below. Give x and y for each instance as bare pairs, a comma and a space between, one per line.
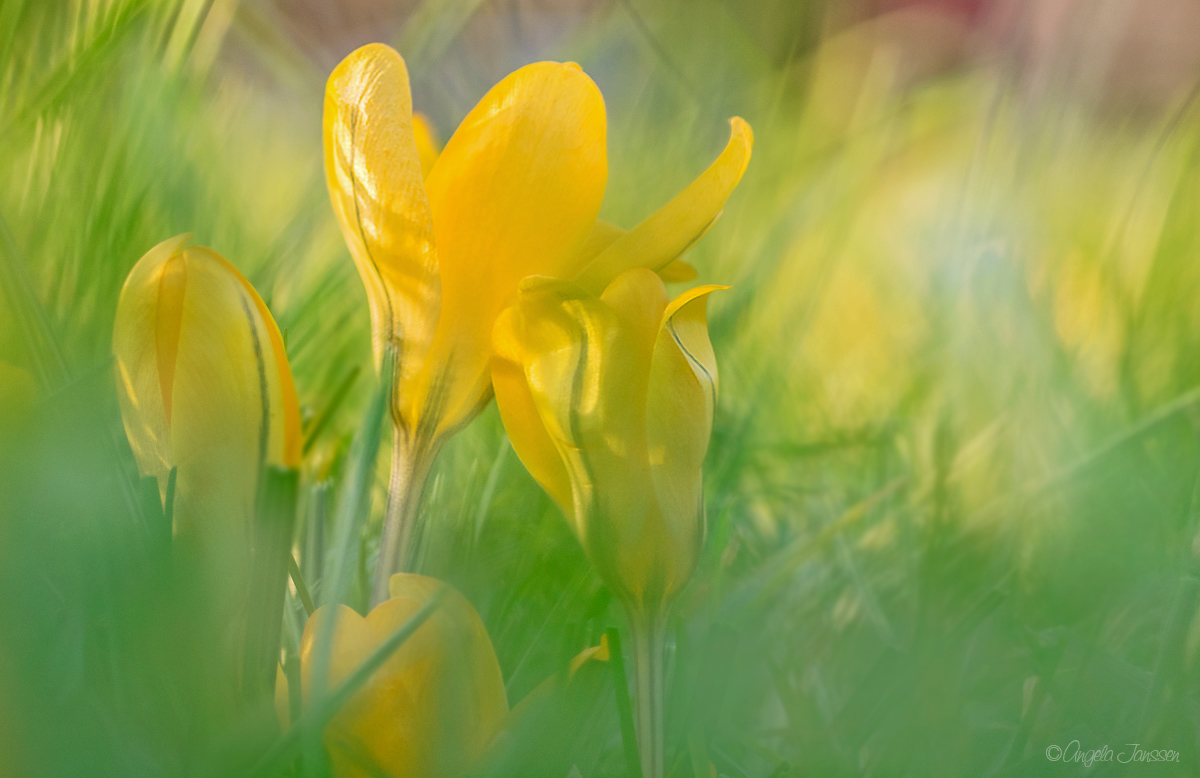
515, 193
204, 386
431, 710
608, 401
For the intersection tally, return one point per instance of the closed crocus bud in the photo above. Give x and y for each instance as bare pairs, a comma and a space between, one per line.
205, 389
204, 385
431, 709
442, 241
609, 402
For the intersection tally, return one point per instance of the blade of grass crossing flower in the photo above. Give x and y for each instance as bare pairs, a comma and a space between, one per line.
152, 511
301, 588
353, 505
324, 708
291, 671
272, 555
354, 499
313, 555
169, 502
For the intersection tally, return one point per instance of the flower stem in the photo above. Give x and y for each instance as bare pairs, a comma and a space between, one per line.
648, 630
410, 470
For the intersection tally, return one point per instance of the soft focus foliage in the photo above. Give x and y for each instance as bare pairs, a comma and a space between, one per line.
951, 484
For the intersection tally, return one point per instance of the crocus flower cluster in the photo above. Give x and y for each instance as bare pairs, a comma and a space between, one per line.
488, 273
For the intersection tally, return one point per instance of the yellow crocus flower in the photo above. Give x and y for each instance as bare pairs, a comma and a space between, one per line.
442, 248
608, 401
205, 389
204, 384
430, 710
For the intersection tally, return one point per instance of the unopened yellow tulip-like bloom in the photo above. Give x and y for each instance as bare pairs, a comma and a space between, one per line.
205, 388
609, 402
515, 193
204, 385
431, 710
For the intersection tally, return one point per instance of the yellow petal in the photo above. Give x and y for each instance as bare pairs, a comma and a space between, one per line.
522, 422
136, 348
676, 227
597, 653
427, 142
373, 169
283, 700
622, 387
587, 366
352, 641
514, 193
434, 705
204, 385
286, 441
461, 696
604, 234
679, 412
639, 299
601, 236
677, 272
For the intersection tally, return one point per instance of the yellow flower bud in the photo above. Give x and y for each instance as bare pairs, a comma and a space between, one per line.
608, 401
431, 709
204, 384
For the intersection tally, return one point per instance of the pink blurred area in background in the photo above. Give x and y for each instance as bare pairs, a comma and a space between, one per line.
1117, 55
1134, 56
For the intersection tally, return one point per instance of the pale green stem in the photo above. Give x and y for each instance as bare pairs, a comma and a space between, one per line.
649, 630
410, 470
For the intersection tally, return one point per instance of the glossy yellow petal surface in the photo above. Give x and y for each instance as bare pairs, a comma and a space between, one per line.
514, 193
522, 421
203, 382
677, 272
602, 235
283, 702
621, 388
373, 169
432, 708
587, 372
427, 142
676, 227
679, 412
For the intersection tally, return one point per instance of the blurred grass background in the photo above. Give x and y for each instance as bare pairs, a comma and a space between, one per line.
953, 494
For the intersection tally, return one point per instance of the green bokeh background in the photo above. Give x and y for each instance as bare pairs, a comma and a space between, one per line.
953, 491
